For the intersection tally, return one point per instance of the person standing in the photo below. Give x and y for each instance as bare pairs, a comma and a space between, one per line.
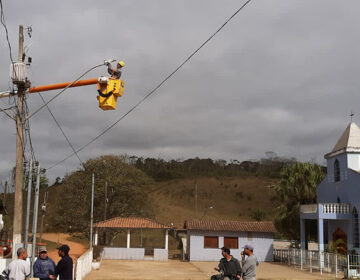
44, 266
249, 263
115, 73
229, 267
64, 268
18, 269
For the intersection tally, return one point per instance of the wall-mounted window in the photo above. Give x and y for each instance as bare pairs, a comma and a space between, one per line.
336, 171
231, 242
211, 242
355, 218
249, 236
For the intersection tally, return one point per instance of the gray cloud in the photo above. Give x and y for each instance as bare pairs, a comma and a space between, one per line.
282, 76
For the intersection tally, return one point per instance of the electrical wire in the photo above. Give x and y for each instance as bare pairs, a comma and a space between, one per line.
156, 88
9, 108
20, 118
6, 113
2, 20
28, 133
37, 110
62, 131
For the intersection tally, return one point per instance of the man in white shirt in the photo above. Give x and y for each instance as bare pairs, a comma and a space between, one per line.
18, 269
249, 263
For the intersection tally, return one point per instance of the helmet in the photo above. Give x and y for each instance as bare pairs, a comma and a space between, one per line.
122, 63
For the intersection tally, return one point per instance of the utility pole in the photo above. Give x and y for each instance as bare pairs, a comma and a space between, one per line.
43, 210
5, 190
105, 201
35, 215
27, 219
196, 201
92, 210
19, 118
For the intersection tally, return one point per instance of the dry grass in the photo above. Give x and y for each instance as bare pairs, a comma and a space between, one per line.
231, 198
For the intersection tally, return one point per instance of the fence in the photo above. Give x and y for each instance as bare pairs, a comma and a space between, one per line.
323, 262
83, 264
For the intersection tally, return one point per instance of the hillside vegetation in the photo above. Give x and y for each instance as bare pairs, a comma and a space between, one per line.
167, 191
228, 198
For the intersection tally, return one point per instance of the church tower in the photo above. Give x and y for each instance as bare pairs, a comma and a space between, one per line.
345, 154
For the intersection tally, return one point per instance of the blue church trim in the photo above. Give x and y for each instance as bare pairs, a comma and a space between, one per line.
338, 195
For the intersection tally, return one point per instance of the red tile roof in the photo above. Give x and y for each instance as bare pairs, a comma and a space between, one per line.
232, 226
130, 222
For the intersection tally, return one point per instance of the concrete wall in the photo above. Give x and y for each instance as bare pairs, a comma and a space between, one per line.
83, 264
262, 242
114, 253
161, 254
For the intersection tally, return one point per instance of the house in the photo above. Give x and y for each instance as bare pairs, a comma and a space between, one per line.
338, 196
132, 224
205, 238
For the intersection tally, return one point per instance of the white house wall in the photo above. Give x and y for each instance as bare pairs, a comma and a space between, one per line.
262, 242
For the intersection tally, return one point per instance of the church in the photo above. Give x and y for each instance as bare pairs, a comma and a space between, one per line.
337, 196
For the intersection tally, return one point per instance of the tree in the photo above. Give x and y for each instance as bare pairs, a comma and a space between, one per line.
125, 193
297, 186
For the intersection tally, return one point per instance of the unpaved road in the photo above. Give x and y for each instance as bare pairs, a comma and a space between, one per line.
177, 270
76, 249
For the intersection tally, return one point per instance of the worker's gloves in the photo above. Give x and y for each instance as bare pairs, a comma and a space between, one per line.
107, 62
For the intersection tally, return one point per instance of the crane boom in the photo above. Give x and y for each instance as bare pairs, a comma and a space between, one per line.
56, 86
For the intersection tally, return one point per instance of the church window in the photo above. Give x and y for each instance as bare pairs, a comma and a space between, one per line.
355, 217
336, 171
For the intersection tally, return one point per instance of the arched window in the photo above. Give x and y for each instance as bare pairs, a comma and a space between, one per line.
355, 218
336, 171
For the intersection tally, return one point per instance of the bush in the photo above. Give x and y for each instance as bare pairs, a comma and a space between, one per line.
258, 215
239, 194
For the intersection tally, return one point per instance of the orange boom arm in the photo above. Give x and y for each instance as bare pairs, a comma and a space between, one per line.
63, 85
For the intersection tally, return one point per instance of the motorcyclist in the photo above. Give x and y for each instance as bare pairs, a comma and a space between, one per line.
229, 267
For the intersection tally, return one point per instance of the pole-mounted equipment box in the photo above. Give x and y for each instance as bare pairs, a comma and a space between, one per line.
18, 72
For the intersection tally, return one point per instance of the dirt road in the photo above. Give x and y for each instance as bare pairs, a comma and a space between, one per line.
177, 270
76, 249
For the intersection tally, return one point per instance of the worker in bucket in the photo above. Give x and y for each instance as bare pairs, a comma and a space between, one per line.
115, 73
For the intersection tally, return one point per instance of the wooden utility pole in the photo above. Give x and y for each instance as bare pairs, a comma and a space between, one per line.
105, 202
18, 202
5, 190
92, 210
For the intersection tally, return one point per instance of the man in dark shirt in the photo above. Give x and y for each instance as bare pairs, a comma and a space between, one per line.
64, 267
229, 267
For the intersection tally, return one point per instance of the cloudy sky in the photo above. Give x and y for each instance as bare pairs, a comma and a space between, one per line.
282, 76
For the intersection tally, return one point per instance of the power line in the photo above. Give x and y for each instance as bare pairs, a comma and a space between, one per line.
69, 85
2, 20
62, 131
28, 134
6, 113
157, 87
